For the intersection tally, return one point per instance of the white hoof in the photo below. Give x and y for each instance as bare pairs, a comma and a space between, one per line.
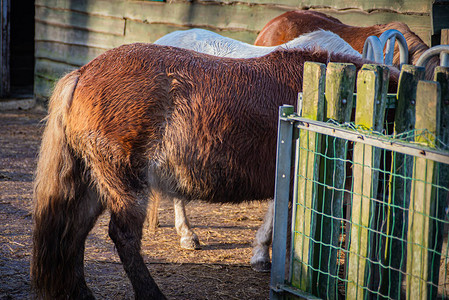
190, 242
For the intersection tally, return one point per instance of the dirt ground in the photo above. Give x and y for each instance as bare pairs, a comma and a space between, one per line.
220, 270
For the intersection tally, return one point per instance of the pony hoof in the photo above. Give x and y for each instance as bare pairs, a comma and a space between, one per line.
261, 266
190, 242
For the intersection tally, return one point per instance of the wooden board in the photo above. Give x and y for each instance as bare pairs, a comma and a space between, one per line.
73, 36
340, 81
248, 17
400, 6
306, 175
402, 168
148, 33
115, 7
243, 17
51, 70
69, 54
82, 21
111, 8
421, 212
372, 87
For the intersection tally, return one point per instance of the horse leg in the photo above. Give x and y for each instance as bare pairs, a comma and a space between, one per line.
260, 261
153, 211
189, 240
83, 226
125, 230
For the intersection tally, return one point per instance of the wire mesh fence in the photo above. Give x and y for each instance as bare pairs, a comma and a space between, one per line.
386, 228
370, 196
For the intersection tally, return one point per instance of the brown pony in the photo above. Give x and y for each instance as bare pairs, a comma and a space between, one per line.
142, 120
295, 23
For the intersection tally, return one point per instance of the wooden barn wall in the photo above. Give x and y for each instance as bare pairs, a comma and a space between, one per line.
69, 33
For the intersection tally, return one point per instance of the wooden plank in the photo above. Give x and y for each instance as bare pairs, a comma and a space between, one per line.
340, 79
411, 6
51, 70
69, 54
423, 200
243, 17
45, 76
442, 77
42, 89
107, 8
71, 36
444, 37
111, 8
237, 16
86, 21
137, 31
399, 184
306, 176
372, 86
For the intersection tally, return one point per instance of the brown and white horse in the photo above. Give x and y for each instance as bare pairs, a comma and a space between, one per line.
295, 23
142, 120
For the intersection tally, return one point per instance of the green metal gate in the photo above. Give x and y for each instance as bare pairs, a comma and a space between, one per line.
369, 197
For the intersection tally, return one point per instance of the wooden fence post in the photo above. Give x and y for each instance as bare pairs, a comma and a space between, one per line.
423, 198
340, 79
372, 85
306, 175
441, 76
399, 188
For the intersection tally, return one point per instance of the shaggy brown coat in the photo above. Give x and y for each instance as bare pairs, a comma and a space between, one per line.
142, 119
295, 23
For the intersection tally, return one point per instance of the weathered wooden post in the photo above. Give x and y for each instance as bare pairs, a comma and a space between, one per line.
306, 172
438, 275
441, 248
372, 86
399, 189
423, 198
340, 79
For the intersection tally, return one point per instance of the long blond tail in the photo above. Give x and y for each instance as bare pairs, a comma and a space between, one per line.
55, 186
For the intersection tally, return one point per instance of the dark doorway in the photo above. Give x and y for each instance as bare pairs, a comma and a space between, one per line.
22, 49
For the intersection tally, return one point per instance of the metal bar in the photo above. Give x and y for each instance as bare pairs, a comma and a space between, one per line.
297, 292
391, 100
281, 200
402, 147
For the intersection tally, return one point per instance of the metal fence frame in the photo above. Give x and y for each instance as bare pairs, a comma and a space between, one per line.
291, 124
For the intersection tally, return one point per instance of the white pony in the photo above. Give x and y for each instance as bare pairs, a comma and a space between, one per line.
209, 42
205, 41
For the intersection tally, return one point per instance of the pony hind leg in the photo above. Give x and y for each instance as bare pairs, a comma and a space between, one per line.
188, 239
260, 261
125, 230
81, 290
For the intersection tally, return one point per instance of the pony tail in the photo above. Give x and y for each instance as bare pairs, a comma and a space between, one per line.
54, 187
